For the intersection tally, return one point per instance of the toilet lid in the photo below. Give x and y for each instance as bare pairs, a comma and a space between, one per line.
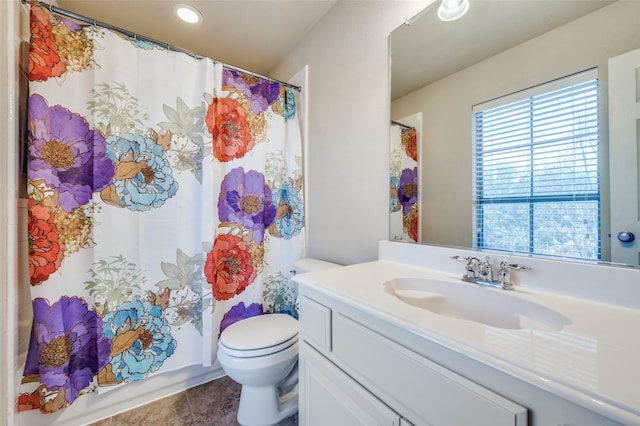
258, 332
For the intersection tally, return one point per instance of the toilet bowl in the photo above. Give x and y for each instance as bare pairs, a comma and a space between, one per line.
261, 354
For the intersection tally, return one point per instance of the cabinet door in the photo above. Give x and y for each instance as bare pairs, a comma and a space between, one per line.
328, 396
423, 391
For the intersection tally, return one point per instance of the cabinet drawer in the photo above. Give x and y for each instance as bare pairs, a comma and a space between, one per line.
420, 389
315, 323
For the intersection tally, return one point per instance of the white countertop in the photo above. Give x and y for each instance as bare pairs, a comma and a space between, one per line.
594, 361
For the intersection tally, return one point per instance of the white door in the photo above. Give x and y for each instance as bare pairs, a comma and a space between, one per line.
624, 156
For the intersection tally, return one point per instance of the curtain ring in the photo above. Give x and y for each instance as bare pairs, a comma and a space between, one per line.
52, 12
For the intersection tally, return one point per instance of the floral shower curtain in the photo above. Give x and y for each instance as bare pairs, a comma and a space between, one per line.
403, 184
165, 203
256, 140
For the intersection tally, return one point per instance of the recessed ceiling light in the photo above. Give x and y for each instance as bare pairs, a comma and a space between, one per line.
187, 13
450, 10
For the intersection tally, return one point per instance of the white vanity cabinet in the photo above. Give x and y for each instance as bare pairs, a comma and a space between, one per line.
352, 375
358, 368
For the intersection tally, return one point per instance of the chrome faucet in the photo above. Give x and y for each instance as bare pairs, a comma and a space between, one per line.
482, 272
485, 269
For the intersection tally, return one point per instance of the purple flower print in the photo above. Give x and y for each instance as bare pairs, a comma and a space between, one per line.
260, 92
67, 347
238, 312
66, 154
245, 199
408, 190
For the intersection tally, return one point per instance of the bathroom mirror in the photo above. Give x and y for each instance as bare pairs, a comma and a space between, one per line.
440, 70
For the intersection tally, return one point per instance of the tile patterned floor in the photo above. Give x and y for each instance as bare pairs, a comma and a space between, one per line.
211, 404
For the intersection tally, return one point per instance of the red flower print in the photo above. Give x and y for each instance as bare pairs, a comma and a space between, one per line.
227, 122
413, 227
228, 267
410, 224
45, 253
409, 144
29, 401
44, 61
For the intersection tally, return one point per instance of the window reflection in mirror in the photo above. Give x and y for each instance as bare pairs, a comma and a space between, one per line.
536, 164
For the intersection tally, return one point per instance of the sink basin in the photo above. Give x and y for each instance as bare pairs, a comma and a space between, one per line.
493, 307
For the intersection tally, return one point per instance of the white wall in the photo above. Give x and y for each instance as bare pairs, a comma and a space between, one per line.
9, 222
348, 146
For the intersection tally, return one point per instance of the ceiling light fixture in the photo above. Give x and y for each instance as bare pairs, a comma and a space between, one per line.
450, 10
187, 13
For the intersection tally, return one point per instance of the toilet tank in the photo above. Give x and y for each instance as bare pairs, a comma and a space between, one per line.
312, 265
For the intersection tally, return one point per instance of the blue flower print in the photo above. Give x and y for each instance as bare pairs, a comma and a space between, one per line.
288, 103
140, 340
143, 177
394, 203
289, 212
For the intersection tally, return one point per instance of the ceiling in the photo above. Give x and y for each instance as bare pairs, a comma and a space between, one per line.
429, 49
251, 34
257, 35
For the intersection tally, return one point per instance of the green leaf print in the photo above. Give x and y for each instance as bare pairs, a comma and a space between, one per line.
170, 270
185, 280
116, 109
275, 173
395, 163
187, 125
278, 292
114, 283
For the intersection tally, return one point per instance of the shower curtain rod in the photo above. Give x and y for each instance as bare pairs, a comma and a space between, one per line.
397, 123
59, 11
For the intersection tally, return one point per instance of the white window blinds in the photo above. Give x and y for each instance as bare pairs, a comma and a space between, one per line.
536, 180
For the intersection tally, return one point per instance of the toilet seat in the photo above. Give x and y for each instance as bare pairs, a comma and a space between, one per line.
255, 353
259, 336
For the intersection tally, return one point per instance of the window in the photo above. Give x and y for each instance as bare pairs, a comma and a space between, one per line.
536, 177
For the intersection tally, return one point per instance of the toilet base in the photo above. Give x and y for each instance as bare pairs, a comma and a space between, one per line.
263, 406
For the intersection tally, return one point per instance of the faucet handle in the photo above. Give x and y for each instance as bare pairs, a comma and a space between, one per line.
516, 266
472, 260
503, 272
460, 258
470, 267
473, 266
504, 275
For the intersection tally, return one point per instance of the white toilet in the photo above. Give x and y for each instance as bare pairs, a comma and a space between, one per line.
261, 353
